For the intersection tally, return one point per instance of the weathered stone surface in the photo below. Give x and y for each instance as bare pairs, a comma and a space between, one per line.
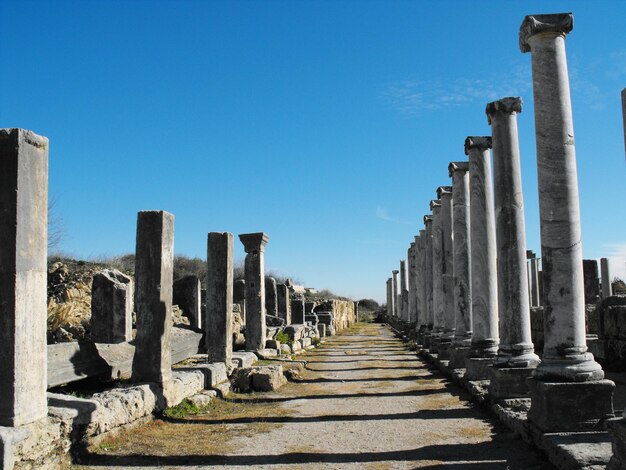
570, 406
296, 346
394, 292
154, 264
308, 307
271, 320
254, 245
592, 283
23, 274
111, 307
239, 297
243, 359
305, 342
437, 265
272, 344
258, 379
213, 373
444, 193
509, 382
285, 349
284, 302
203, 398
321, 328
428, 273
219, 298
187, 295
606, 277
295, 332
311, 318
297, 311
478, 368
271, 297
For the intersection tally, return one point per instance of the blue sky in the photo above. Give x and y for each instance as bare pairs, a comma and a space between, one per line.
326, 124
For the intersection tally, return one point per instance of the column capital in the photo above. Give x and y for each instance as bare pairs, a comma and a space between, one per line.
556, 23
254, 241
508, 105
435, 204
477, 142
422, 231
444, 191
457, 166
413, 245
395, 271
428, 219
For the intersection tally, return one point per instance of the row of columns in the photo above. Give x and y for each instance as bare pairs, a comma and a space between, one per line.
473, 290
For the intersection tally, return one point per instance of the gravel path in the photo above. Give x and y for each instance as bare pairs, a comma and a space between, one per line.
363, 402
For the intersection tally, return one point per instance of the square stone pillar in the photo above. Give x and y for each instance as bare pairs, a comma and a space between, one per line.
444, 193
437, 266
592, 283
390, 300
254, 244
111, 307
624, 115
394, 293
412, 314
419, 279
284, 302
218, 330
429, 313
23, 276
605, 273
567, 391
404, 291
271, 297
298, 311
154, 267
188, 296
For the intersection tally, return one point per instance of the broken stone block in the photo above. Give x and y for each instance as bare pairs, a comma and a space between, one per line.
111, 307
308, 307
321, 328
296, 346
295, 332
285, 349
271, 320
203, 398
258, 379
311, 318
306, 342
272, 344
297, 311
592, 283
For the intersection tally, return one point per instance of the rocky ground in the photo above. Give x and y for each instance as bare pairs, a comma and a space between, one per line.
364, 401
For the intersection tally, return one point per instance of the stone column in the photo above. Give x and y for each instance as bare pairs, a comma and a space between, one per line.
624, 115
389, 297
394, 293
271, 297
298, 311
482, 260
516, 354
404, 291
111, 307
592, 285
565, 357
534, 282
254, 245
417, 281
438, 266
459, 172
23, 276
412, 301
605, 273
187, 295
154, 269
445, 196
284, 302
428, 272
218, 329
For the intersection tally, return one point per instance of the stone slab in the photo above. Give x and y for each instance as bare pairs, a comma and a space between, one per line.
458, 355
509, 382
243, 359
478, 368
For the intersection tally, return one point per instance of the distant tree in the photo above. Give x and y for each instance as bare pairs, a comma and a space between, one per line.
619, 286
368, 304
185, 266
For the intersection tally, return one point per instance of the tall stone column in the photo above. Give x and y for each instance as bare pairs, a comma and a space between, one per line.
482, 260
624, 115
533, 267
417, 281
394, 293
271, 297
420, 270
390, 301
605, 276
438, 266
111, 307
459, 172
428, 272
411, 268
445, 196
219, 297
565, 356
154, 276
23, 276
516, 354
254, 245
284, 302
404, 291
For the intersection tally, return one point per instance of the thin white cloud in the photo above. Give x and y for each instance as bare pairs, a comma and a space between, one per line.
383, 214
616, 253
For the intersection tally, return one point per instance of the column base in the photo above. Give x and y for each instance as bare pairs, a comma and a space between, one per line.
509, 382
478, 368
458, 355
570, 406
445, 349
617, 431
435, 341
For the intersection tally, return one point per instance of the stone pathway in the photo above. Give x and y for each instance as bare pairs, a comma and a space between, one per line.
364, 402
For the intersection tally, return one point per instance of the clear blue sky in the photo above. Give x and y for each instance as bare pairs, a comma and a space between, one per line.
326, 124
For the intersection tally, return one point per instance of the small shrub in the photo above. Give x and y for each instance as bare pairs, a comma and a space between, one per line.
315, 341
283, 338
182, 410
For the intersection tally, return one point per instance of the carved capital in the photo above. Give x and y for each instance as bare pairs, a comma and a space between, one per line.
254, 241
508, 105
428, 219
457, 166
435, 204
557, 23
395, 272
476, 142
444, 191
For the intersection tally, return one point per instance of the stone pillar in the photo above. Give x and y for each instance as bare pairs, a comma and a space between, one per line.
394, 293
356, 311
111, 307
254, 245
404, 291
390, 301
297, 311
605, 270
154, 264
218, 330
516, 354
535, 294
445, 196
428, 272
271, 297
565, 357
23, 276
624, 115
417, 281
438, 266
412, 314
239, 297
459, 172
592, 284
284, 302
188, 296
482, 260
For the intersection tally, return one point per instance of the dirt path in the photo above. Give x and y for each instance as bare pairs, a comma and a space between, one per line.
364, 402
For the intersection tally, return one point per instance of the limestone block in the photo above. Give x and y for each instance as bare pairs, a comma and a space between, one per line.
296, 347
321, 328
478, 368
213, 373
266, 353
258, 379
305, 342
39, 445
611, 313
185, 384
271, 320
509, 382
311, 318
295, 332
243, 358
111, 307
203, 398
285, 349
272, 344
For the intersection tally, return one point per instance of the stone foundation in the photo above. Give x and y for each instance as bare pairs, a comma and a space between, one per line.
478, 368
509, 382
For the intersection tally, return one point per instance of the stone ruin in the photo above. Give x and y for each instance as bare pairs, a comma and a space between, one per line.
163, 364
530, 343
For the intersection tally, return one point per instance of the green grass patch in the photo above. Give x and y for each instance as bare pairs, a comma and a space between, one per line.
283, 338
182, 410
